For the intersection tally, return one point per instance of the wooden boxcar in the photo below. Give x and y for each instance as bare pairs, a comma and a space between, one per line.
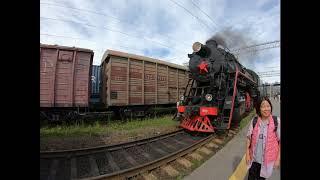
64, 77
133, 80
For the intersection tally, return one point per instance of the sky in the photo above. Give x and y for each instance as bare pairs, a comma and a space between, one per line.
164, 29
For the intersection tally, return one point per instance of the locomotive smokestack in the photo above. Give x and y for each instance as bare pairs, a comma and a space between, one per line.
212, 42
201, 49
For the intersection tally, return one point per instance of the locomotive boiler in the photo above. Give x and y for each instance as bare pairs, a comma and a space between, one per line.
219, 92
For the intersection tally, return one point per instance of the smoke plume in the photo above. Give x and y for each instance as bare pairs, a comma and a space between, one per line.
232, 38
236, 39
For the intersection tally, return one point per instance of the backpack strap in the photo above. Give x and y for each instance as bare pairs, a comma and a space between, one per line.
254, 122
275, 120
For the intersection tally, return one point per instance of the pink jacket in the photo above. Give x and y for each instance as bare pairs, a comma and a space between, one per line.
271, 150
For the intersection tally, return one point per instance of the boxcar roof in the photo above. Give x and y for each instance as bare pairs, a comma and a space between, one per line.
65, 48
109, 52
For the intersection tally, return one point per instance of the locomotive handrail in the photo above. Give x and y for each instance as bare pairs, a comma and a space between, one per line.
233, 96
246, 77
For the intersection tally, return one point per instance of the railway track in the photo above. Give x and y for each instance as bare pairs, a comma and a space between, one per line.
119, 161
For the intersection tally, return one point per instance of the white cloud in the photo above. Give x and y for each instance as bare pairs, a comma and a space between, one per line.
164, 29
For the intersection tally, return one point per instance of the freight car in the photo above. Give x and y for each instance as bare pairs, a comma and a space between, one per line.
125, 85
64, 81
135, 85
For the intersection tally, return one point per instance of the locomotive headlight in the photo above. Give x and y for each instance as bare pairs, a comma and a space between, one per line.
182, 98
208, 97
200, 49
196, 47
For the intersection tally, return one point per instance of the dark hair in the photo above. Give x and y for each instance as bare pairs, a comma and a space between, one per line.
259, 102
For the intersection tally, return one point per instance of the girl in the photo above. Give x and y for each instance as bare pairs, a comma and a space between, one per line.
263, 142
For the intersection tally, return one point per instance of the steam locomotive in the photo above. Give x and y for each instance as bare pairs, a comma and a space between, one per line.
219, 92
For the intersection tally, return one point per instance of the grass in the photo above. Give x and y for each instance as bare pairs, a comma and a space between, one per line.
130, 127
196, 163
99, 128
181, 176
247, 119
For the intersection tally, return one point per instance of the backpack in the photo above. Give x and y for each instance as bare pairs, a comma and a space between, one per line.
274, 120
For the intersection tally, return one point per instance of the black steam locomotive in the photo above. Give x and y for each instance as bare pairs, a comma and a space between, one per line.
220, 90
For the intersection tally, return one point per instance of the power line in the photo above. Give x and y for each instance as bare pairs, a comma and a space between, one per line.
269, 75
126, 47
102, 14
273, 75
117, 31
69, 37
264, 75
272, 67
85, 10
247, 49
256, 50
204, 13
255, 45
243, 19
246, 17
44, 34
133, 24
268, 71
235, 50
192, 15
